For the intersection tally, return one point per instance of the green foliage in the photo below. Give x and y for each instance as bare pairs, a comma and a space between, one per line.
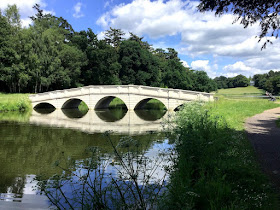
139, 66
215, 167
50, 55
269, 82
238, 81
14, 102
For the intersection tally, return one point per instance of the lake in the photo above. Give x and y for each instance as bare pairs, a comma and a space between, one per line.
33, 143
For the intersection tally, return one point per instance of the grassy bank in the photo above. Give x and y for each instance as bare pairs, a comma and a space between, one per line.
14, 102
216, 166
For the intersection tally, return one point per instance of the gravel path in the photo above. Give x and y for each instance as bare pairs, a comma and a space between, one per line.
265, 138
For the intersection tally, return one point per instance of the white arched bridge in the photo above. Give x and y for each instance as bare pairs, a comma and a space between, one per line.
133, 96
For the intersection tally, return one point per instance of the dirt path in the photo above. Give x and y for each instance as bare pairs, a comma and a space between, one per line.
265, 138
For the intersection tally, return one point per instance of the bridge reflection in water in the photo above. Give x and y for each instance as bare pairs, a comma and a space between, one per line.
115, 120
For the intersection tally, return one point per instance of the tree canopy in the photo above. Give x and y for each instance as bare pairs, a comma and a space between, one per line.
50, 55
266, 12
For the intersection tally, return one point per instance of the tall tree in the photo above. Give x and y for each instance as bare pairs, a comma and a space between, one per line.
57, 63
102, 59
114, 37
13, 71
139, 66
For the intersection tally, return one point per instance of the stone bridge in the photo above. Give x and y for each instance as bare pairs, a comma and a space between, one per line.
134, 97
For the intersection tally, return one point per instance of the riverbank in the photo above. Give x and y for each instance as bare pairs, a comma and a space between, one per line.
216, 166
14, 102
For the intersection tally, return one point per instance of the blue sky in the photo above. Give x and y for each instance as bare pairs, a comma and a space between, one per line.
204, 42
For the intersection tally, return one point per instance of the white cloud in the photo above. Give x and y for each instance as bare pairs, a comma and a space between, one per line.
237, 67
78, 10
201, 65
204, 66
185, 63
240, 67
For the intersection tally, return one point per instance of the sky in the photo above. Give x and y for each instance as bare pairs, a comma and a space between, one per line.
203, 41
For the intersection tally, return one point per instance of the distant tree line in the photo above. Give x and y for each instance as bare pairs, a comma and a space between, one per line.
50, 55
269, 81
238, 81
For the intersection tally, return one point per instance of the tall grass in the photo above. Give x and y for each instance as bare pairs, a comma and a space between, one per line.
216, 167
14, 102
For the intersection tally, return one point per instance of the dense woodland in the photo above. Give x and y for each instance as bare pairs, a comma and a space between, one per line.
50, 55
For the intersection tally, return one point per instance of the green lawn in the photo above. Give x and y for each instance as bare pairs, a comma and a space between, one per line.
235, 111
235, 107
250, 90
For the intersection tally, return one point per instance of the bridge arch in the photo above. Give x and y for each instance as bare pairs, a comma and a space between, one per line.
142, 103
72, 103
179, 107
44, 105
104, 102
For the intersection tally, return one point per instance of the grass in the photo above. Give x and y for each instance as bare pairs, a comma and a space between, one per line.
14, 102
216, 166
241, 91
235, 111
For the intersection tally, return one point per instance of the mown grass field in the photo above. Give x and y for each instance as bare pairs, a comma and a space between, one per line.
236, 110
241, 91
14, 102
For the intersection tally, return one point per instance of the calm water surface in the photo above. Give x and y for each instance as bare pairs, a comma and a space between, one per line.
32, 142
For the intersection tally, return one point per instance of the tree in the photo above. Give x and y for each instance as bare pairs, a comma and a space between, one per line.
240, 81
138, 39
114, 37
56, 63
102, 67
222, 82
12, 70
202, 82
249, 12
139, 66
